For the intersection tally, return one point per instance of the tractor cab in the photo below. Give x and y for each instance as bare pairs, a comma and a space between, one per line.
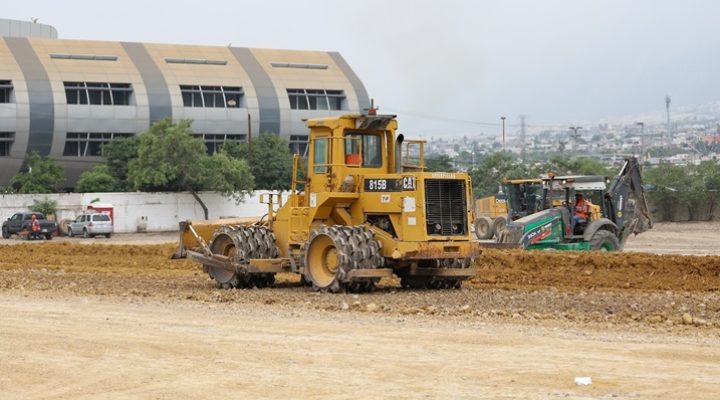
562, 190
522, 196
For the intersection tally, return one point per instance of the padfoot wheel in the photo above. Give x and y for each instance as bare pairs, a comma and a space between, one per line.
240, 244
332, 252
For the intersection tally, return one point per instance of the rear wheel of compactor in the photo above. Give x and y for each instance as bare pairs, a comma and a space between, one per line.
241, 243
332, 252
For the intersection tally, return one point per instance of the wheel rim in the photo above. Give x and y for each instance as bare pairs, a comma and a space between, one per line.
482, 228
223, 244
322, 261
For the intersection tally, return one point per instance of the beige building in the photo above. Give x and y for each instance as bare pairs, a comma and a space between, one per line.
66, 98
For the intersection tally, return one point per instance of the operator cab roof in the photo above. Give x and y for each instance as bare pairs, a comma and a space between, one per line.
578, 182
362, 121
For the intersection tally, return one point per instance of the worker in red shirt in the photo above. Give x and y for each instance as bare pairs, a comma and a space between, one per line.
581, 210
35, 227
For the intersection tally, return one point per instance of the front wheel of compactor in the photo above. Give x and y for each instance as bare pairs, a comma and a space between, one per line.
225, 245
323, 264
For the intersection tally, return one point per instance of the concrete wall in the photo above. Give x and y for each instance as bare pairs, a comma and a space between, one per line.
161, 211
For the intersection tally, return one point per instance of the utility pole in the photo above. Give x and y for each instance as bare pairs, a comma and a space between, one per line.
523, 132
642, 139
575, 136
667, 108
503, 138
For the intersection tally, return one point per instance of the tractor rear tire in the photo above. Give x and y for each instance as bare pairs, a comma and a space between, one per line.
499, 225
484, 228
604, 240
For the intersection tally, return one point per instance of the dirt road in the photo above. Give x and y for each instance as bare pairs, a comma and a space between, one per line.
80, 319
104, 348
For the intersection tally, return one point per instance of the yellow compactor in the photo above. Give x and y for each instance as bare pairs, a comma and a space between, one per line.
361, 208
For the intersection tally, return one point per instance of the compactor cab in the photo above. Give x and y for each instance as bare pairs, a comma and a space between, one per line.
361, 208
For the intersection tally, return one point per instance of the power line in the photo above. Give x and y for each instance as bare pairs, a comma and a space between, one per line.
467, 121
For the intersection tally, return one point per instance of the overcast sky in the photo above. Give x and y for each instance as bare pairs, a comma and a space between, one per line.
449, 67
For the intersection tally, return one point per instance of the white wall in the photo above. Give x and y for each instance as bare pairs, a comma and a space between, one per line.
163, 211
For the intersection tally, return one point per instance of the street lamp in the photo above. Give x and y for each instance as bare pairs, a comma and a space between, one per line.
575, 136
642, 138
503, 122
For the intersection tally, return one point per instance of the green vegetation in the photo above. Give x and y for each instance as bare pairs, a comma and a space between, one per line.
693, 188
271, 161
170, 158
45, 206
491, 169
442, 163
98, 179
118, 154
44, 175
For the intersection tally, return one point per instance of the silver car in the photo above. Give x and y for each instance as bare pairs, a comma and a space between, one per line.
89, 225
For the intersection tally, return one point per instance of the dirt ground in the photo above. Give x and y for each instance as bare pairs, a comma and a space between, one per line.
103, 318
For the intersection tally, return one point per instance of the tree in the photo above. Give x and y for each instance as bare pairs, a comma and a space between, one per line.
271, 163
492, 168
118, 154
669, 182
228, 175
170, 158
98, 179
703, 189
565, 165
45, 206
44, 175
441, 163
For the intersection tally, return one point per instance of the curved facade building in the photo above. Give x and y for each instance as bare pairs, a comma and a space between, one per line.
66, 98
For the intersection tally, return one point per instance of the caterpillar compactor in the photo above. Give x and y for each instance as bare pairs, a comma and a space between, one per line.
361, 208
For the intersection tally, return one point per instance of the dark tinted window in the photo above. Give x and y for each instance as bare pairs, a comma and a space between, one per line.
101, 217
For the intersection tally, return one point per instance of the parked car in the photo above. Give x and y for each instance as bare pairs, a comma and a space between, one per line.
21, 224
89, 225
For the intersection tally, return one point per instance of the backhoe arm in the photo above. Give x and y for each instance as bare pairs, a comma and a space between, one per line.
627, 183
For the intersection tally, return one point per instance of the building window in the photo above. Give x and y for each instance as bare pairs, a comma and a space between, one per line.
316, 99
84, 144
6, 141
6, 89
212, 96
299, 144
98, 93
215, 141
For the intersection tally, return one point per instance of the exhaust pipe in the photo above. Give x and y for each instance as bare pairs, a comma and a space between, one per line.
398, 153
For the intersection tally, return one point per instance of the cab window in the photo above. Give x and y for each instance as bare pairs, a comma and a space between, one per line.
363, 150
320, 155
